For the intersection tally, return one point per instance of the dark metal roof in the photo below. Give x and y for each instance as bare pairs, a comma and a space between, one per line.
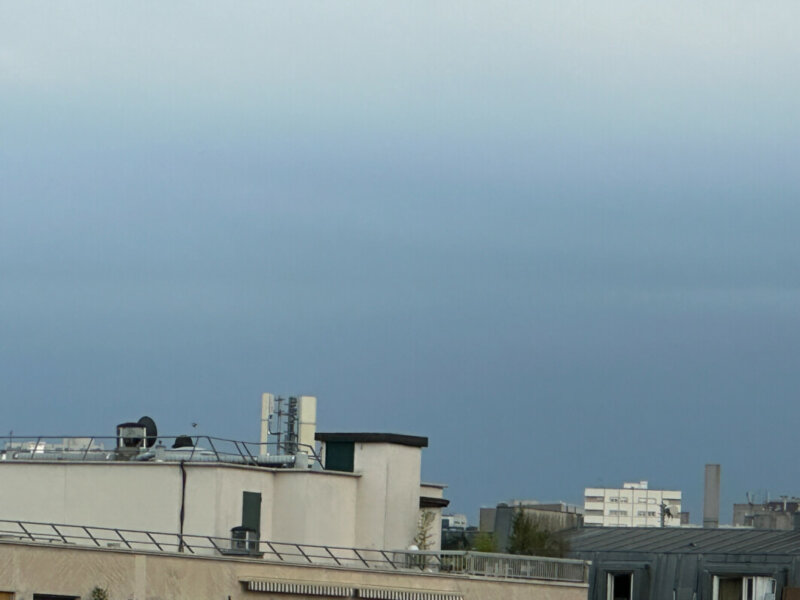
375, 438
685, 540
431, 502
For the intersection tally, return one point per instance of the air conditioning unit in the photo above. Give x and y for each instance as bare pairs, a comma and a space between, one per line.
244, 541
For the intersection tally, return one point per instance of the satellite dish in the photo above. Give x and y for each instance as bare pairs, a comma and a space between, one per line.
150, 429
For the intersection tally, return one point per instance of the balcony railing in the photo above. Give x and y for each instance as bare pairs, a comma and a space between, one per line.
451, 562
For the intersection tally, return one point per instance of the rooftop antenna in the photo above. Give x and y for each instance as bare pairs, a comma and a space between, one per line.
289, 424
267, 408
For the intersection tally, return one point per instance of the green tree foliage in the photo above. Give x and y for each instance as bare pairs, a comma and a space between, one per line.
455, 540
99, 593
530, 537
484, 542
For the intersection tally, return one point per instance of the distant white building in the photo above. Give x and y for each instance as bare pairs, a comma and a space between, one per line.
632, 505
457, 521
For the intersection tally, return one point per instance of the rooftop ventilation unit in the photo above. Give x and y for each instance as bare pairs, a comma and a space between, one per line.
133, 437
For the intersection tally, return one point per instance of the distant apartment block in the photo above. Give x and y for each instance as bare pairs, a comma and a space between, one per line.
632, 505
783, 513
552, 517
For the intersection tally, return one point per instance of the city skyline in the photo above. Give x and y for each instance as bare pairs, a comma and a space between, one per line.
558, 239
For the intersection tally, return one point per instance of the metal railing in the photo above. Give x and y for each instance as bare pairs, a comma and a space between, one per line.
452, 562
488, 564
203, 448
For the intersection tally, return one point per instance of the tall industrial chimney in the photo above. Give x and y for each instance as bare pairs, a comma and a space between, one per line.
711, 497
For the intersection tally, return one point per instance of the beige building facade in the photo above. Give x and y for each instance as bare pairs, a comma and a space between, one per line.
30, 571
373, 501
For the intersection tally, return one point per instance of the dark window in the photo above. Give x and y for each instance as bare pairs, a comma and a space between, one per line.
54, 597
339, 456
251, 511
620, 586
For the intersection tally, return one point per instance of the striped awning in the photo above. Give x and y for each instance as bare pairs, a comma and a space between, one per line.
339, 591
390, 594
304, 589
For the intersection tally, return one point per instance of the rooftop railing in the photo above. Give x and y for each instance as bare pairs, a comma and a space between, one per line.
451, 562
198, 448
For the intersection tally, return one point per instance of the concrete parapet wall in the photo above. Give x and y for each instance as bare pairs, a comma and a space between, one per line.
147, 496
27, 569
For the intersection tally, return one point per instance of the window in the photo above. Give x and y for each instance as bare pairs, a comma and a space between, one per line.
622, 513
651, 513
623, 499
642, 500
619, 586
743, 588
339, 456
641, 513
613, 499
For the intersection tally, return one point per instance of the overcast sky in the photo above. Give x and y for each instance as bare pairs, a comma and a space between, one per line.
558, 238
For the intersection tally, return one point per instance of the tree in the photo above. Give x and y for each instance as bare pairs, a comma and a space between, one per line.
529, 536
424, 535
484, 542
455, 540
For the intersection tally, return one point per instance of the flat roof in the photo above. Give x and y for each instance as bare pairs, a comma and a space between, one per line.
431, 484
375, 438
430, 502
172, 464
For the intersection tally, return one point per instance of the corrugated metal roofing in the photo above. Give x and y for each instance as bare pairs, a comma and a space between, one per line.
689, 540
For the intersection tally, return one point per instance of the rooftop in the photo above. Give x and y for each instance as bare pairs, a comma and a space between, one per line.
157, 449
445, 562
375, 438
689, 540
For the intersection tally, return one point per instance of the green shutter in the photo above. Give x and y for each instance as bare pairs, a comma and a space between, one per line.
339, 456
251, 511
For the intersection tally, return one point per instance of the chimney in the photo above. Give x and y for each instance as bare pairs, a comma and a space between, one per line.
711, 497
